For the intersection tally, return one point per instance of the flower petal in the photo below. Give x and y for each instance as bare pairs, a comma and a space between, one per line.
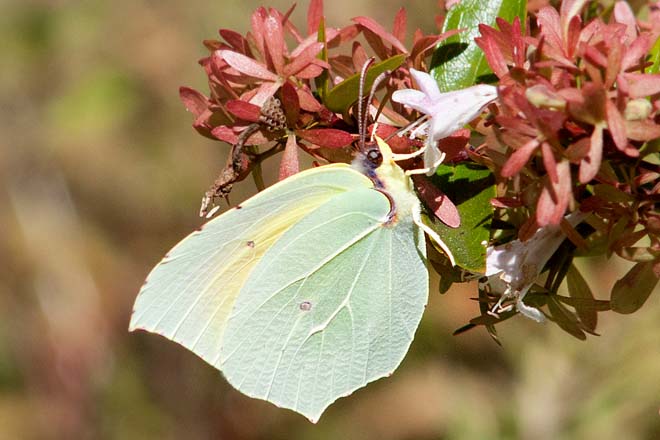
413, 99
427, 84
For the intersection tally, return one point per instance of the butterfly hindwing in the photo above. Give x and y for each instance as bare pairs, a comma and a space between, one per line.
331, 306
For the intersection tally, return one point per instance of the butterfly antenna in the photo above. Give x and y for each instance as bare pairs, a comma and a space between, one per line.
379, 79
362, 122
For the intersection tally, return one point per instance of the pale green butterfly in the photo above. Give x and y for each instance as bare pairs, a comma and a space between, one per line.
305, 292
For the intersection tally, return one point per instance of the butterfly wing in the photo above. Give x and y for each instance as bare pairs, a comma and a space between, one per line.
330, 307
188, 296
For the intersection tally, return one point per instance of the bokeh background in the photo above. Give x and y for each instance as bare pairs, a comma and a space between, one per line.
101, 173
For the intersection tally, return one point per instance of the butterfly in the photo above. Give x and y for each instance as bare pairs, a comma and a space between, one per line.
305, 292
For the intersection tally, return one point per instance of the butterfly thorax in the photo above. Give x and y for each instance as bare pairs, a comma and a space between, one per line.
389, 178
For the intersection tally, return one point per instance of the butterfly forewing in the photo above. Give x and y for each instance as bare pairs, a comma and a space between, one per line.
188, 296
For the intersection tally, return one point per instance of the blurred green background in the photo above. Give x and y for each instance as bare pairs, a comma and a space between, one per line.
101, 173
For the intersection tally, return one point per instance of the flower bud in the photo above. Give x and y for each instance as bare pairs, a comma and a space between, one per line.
542, 97
637, 109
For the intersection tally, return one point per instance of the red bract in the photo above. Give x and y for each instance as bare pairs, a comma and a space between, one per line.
575, 107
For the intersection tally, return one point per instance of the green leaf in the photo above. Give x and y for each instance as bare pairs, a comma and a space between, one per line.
631, 292
458, 62
579, 289
471, 188
654, 57
598, 305
612, 194
344, 94
322, 81
564, 318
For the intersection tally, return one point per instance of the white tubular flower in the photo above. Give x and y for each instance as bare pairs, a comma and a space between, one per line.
448, 111
512, 268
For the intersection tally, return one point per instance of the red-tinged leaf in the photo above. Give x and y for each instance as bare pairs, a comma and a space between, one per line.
517, 125
580, 291
307, 101
493, 53
398, 144
264, 92
616, 125
195, 102
631, 292
624, 14
246, 66
289, 164
359, 56
569, 10
577, 151
213, 45
590, 165
642, 130
614, 57
501, 40
275, 42
636, 52
235, 40
573, 36
310, 72
326, 137
642, 84
595, 56
549, 162
225, 134
202, 125
330, 33
550, 26
437, 202
506, 202
244, 110
339, 37
290, 103
377, 29
400, 24
424, 44
314, 15
377, 44
453, 146
554, 198
257, 21
304, 59
519, 158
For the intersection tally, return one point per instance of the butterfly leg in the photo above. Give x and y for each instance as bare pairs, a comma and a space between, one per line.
417, 218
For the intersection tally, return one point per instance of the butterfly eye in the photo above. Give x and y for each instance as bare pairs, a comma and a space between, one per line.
374, 156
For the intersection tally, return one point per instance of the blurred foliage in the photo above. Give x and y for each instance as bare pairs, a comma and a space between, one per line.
100, 173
